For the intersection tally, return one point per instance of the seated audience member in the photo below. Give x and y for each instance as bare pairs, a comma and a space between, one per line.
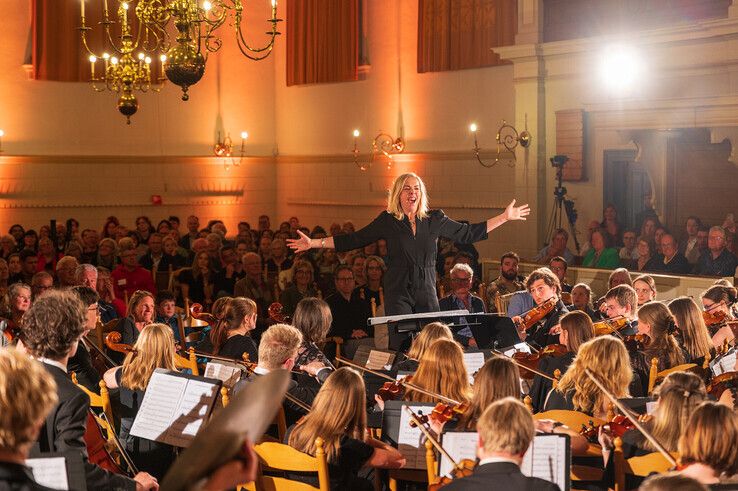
338, 416
645, 288
717, 260
607, 359
647, 259
441, 371
110, 307
254, 285
129, 277
647, 219
349, 314
47, 256
374, 269
144, 229
81, 362
73, 249
86, 275
692, 332
591, 227
657, 236
357, 266
519, 303
543, 285
19, 300
4, 277
28, 261
707, 449
611, 225
428, 335
581, 299
302, 286
154, 260
7, 246
197, 282
41, 283
225, 280
620, 276
719, 299
107, 254
51, 332
674, 262
215, 242
66, 268
628, 253
173, 256
689, 243
601, 255
622, 301
154, 349
230, 335
464, 257
90, 240
193, 227
108, 230
558, 265
556, 248
166, 312
140, 314
506, 430
576, 329
461, 298
508, 281
27, 395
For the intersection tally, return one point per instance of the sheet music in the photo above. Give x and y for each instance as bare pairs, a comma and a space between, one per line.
460, 445
379, 360
520, 347
411, 441
726, 363
651, 407
546, 459
50, 472
227, 373
473, 362
174, 408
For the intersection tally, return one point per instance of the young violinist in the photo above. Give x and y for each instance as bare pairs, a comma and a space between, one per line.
338, 416
313, 319
576, 329
230, 337
718, 300
707, 447
543, 286
581, 298
51, 330
428, 335
645, 288
693, 333
498, 378
622, 301
607, 358
442, 371
506, 430
153, 349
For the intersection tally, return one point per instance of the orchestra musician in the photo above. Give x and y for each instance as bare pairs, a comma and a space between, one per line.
338, 416
645, 288
230, 336
81, 362
693, 334
430, 333
411, 231
622, 300
720, 298
442, 371
543, 286
51, 330
506, 430
313, 319
153, 349
498, 378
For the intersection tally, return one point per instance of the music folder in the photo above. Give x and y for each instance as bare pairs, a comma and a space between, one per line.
59, 470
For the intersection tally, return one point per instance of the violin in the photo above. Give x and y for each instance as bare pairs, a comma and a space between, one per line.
531, 360
97, 450
391, 391
463, 468
609, 326
276, 313
636, 342
616, 427
721, 383
536, 314
714, 317
12, 330
445, 412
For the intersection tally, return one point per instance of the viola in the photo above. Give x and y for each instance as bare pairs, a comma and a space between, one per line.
608, 326
276, 313
536, 314
531, 360
636, 342
721, 383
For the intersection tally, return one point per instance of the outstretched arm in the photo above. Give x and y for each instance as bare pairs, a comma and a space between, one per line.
512, 212
305, 243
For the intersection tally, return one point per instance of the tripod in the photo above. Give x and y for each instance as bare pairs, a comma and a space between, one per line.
562, 206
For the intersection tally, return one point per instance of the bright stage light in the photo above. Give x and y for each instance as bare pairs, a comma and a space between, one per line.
621, 68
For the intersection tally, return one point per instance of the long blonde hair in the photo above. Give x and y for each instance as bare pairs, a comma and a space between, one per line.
394, 207
428, 335
153, 349
608, 360
442, 371
691, 324
658, 317
338, 410
498, 378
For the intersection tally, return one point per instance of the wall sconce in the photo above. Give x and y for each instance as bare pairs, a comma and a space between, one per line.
2, 134
224, 149
383, 143
508, 139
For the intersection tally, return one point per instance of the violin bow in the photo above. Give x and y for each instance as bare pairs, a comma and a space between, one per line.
123, 453
520, 365
414, 418
635, 421
406, 384
88, 344
294, 400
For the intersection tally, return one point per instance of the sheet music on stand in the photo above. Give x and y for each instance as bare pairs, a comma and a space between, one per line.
725, 363
59, 470
473, 361
226, 372
379, 360
549, 458
460, 445
175, 407
411, 441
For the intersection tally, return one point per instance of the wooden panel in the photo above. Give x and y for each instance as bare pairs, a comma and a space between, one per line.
570, 142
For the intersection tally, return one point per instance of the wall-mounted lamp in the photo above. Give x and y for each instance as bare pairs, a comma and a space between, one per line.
224, 149
383, 143
508, 139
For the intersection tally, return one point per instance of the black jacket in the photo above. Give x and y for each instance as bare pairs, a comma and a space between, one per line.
500, 475
16, 477
410, 280
81, 365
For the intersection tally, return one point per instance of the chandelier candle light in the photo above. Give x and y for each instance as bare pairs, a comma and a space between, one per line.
382, 143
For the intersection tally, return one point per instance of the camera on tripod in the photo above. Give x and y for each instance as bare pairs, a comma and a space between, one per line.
558, 161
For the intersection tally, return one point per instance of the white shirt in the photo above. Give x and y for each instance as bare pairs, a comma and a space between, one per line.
495, 460
53, 363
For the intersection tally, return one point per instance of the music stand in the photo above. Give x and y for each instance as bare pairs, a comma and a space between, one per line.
493, 330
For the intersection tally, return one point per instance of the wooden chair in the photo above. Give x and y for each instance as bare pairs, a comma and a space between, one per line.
431, 464
191, 362
280, 457
654, 376
502, 301
100, 401
642, 466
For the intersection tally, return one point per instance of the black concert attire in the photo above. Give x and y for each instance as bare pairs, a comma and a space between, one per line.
234, 347
261, 292
148, 455
405, 364
348, 315
410, 280
196, 286
538, 335
499, 475
64, 430
17, 477
128, 335
542, 386
723, 265
81, 365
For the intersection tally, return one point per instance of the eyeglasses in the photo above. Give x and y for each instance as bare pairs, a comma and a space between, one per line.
461, 280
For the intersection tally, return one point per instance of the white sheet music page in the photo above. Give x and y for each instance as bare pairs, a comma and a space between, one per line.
546, 459
460, 445
174, 408
520, 347
410, 441
50, 472
378, 360
227, 373
473, 362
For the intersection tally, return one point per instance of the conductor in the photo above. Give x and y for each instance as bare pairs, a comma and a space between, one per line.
411, 231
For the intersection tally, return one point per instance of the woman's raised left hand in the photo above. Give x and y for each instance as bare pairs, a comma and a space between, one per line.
513, 212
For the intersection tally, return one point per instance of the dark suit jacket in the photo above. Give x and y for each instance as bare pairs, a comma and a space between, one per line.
81, 365
64, 430
677, 265
16, 477
500, 475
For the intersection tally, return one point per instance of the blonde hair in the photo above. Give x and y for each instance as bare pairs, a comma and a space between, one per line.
137, 297
506, 426
27, 394
153, 349
394, 207
608, 360
498, 378
711, 439
579, 329
428, 335
689, 320
278, 344
657, 315
442, 371
313, 318
338, 410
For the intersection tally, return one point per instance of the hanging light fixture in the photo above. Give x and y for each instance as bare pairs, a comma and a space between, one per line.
383, 143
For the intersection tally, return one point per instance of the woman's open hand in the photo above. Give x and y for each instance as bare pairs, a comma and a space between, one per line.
299, 245
513, 212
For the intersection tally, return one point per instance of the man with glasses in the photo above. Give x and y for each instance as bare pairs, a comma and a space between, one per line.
41, 283
349, 315
674, 262
81, 362
461, 298
559, 265
717, 260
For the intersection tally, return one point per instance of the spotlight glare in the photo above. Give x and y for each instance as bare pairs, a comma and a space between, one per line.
620, 68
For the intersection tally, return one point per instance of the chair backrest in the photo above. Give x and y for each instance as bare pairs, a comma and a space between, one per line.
641, 466
654, 376
502, 301
280, 457
190, 362
573, 419
100, 401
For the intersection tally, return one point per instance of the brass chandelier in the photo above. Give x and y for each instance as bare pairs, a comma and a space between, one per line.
180, 33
